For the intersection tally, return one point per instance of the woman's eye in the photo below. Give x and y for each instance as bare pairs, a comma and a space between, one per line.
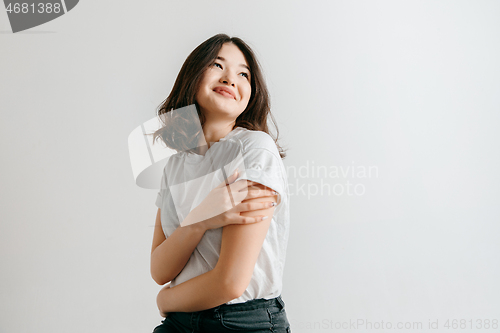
246, 75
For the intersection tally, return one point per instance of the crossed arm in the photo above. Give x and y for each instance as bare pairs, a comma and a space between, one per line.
240, 248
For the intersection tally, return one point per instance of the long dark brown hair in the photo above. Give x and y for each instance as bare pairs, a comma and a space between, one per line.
176, 127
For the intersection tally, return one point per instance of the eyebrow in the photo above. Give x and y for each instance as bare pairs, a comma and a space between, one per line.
241, 65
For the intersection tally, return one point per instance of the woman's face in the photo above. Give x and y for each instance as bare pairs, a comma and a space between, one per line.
225, 87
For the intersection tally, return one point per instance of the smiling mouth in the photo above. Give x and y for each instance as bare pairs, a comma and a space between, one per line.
225, 94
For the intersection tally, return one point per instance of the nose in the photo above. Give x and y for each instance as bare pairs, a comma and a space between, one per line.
227, 79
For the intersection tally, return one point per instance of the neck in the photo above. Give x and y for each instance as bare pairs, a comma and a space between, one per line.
213, 131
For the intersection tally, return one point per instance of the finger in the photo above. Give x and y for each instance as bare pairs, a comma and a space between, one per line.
253, 219
245, 184
240, 186
258, 185
259, 193
229, 179
251, 206
234, 176
257, 188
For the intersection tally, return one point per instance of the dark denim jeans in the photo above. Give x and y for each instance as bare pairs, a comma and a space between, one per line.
256, 316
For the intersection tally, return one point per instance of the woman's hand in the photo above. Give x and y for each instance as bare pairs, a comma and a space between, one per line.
160, 300
217, 210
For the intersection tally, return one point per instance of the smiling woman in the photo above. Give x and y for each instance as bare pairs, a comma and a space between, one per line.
224, 92
225, 269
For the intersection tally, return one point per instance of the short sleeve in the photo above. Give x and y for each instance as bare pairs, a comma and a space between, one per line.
158, 200
161, 191
264, 167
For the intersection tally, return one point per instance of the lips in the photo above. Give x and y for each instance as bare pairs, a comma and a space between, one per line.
225, 92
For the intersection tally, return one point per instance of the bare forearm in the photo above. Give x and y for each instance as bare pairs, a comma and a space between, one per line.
199, 293
170, 257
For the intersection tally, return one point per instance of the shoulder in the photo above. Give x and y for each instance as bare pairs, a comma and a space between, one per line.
256, 140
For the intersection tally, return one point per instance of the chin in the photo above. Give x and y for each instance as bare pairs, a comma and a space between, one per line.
226, 111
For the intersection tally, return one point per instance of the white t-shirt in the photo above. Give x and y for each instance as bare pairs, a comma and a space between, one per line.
188, 178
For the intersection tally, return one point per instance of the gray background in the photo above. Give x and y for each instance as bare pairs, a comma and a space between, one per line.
410, 87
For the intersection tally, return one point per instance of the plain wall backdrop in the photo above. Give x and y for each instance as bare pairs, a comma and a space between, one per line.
408, 91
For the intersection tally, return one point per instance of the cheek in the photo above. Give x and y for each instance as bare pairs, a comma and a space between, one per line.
202, 91
204, 84
248, 92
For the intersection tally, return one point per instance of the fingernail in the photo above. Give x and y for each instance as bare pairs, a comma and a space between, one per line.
265, 217
274, 192
273, 204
